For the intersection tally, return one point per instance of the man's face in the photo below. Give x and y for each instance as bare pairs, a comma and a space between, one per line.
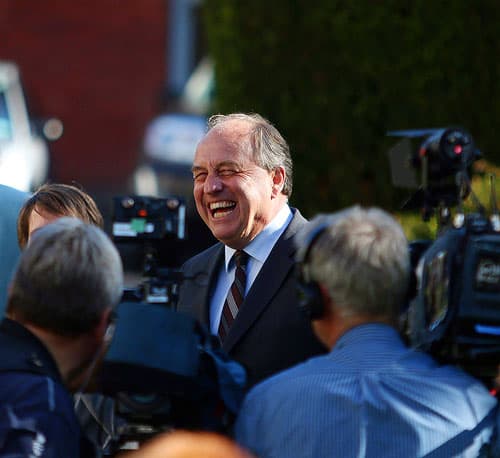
234, 196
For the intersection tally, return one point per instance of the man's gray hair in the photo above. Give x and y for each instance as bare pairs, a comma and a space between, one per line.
68, 275
270, 150
363, 260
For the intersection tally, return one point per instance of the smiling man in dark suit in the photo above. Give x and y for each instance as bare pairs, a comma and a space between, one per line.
242, 174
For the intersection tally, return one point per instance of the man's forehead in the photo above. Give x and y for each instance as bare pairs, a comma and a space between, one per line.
230, 135
223, 150
214, 164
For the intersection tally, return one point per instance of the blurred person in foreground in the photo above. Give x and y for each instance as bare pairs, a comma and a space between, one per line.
371, 396
51, 201
242, 174
11, 201
48, 203
189, 444
68, 280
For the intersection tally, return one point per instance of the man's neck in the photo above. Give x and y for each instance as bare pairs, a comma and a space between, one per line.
331, 328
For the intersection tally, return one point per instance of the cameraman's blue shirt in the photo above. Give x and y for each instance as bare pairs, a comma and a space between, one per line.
370, 396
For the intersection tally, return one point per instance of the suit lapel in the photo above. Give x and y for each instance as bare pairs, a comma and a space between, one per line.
269, 280
203, 276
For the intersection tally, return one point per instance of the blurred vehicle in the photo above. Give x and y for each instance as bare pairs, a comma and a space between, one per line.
169, 145
168, 151
24, 154
170, 139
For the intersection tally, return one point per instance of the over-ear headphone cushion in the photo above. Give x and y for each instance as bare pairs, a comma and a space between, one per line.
310, 300
310, 297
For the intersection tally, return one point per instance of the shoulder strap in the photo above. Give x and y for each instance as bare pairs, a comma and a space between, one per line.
461, 441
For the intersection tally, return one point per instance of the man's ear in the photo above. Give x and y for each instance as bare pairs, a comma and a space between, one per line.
326, 299
102, 326
278, 177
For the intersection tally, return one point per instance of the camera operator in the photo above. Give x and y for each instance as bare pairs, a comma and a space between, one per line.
371, 395
60, 303
48, 203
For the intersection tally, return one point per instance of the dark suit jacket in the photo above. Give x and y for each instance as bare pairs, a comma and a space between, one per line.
269, 333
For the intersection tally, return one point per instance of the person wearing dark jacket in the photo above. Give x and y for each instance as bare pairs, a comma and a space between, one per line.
68, 280
243, 288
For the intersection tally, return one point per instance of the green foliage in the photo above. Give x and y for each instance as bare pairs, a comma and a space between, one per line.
334, 76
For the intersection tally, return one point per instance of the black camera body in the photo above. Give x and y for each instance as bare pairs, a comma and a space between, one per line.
148, 218
149, 233
454, 308
456, 312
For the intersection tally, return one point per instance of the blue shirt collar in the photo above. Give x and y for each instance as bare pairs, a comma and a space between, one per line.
367, 333
260, 247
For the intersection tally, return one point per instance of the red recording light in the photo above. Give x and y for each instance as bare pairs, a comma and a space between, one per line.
457, 149
142, 212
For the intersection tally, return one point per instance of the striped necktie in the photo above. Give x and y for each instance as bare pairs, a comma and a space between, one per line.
235, 295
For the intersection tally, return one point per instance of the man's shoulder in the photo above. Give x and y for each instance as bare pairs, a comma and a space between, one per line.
294, 378
11, 196
45, 404
203, 256
21, 351
297, 221
294, 225
12, 192
35, 392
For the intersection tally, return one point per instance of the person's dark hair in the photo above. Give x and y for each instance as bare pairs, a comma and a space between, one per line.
270, 149
60, 200
67, 276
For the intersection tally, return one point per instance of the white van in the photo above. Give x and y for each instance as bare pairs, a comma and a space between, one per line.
24, 155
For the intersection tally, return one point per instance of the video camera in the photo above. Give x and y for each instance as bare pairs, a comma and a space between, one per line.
163, 369
454, 310
151, 229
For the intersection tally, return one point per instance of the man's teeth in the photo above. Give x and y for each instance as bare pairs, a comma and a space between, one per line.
221, 214
221, 209
223, 204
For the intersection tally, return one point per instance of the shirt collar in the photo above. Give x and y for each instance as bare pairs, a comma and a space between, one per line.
260, 247
39, 354
367, 334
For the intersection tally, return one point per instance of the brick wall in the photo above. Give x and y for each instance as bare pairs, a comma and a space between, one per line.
99, 66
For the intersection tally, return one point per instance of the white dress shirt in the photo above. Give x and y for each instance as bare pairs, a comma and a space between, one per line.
258, 250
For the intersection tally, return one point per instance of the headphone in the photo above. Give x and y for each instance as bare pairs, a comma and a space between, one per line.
309, 294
